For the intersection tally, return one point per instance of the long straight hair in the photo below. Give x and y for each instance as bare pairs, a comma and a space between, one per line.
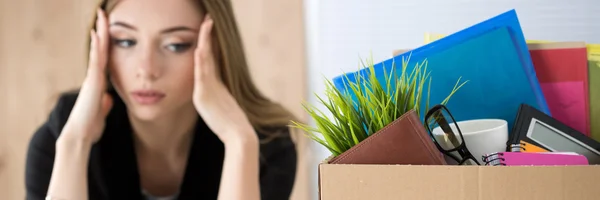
267, 117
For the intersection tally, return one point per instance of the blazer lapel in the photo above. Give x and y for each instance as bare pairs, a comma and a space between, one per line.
118, 157
203, 171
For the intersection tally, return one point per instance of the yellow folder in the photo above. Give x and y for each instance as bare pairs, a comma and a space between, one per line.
594, 81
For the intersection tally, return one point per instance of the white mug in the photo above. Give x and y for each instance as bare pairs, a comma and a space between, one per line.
482, 136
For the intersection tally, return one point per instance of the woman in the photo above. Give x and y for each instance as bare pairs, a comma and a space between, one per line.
177, 118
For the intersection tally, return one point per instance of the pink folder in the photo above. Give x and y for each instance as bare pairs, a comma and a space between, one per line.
525, 158
562, 70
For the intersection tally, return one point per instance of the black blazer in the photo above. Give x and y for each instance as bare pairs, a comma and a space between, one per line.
113, 171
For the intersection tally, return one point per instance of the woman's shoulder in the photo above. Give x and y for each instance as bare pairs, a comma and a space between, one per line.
59, 114
277, 143
275, 138
278, 163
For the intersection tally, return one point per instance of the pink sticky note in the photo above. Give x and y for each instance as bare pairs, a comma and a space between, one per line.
566, 101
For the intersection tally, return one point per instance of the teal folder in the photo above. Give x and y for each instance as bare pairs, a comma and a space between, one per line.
492, 56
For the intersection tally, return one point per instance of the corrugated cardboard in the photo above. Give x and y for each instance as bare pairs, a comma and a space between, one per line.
450, 182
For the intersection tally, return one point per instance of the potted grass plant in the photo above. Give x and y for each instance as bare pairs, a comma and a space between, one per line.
367, 105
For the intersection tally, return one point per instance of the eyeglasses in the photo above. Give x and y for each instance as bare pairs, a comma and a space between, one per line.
439, 117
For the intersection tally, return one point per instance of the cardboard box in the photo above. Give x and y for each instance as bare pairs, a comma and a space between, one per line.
451, 182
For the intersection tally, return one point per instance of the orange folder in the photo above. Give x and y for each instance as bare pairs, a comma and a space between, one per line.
528, 147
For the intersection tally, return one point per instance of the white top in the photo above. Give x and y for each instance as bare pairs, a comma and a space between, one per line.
149, 196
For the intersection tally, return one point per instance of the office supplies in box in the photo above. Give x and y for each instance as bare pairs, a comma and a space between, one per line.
492, 56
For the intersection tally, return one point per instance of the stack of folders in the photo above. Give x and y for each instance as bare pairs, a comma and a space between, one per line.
534, 159
569, 77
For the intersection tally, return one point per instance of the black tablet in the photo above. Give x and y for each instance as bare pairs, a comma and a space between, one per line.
537, 128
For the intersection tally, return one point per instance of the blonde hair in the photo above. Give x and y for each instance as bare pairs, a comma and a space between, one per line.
266, 116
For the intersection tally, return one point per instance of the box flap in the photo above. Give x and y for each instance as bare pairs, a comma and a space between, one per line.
382, 182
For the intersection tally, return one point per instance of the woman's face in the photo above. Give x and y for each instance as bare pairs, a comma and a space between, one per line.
151, 55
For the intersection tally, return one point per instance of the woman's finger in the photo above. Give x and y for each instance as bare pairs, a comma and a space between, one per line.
94, 83
98, 48
93, 57
203, 54
103, 37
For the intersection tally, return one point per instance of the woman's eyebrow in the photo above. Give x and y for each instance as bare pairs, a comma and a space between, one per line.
179, 28
164, 31
124, 25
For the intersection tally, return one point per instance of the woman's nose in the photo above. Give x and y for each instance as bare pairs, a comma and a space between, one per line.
148, 67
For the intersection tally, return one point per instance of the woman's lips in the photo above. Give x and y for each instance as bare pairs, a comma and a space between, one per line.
147, 96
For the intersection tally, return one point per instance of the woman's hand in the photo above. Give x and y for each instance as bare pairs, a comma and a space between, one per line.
85, 124
212, 99
86, 121
225, 117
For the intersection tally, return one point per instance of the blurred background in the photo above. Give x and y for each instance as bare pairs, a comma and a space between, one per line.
292, 46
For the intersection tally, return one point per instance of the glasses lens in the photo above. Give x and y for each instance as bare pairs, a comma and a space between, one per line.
444, 129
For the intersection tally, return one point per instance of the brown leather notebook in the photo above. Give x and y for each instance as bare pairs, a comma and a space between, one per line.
404, 141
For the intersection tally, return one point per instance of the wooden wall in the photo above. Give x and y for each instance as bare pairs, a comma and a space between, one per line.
273, 32
42, 53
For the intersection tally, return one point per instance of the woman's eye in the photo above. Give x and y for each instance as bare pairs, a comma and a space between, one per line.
180, 47
124, 43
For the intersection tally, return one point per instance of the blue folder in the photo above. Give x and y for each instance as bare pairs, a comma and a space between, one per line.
492, 56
